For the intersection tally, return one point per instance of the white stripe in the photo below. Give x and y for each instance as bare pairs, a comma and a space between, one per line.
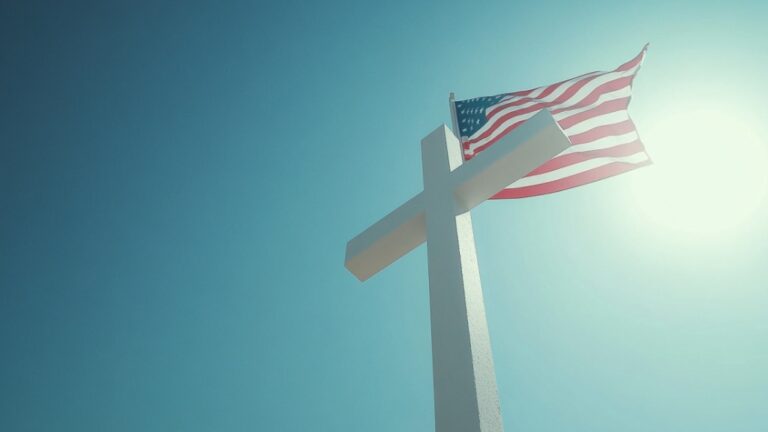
577, 97
602, 143
577, 168
601, 120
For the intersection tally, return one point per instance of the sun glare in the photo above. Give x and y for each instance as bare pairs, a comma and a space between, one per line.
709, 173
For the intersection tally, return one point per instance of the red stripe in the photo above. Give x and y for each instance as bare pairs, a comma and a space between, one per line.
548, 90
604, 108
595, 133
579, 179
573, 158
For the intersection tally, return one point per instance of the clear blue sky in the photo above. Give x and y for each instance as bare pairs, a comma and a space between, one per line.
178, 182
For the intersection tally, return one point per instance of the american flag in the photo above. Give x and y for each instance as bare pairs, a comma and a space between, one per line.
592, 111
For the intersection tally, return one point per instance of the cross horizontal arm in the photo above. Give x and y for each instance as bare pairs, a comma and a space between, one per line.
536, 141
515, 155
388, 239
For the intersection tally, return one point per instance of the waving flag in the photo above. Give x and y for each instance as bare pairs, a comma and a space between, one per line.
592, 111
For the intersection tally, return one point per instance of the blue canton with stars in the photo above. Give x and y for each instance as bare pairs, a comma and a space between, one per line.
470, 113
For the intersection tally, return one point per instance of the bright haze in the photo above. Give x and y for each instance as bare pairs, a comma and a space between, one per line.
178, 183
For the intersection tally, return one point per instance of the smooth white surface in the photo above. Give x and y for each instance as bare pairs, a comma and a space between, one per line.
466, 398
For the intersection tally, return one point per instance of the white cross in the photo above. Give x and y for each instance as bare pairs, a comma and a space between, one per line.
466, 399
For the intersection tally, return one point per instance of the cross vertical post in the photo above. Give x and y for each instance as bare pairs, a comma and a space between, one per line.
466, 398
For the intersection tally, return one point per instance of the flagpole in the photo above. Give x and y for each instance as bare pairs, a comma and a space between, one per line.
454, 118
